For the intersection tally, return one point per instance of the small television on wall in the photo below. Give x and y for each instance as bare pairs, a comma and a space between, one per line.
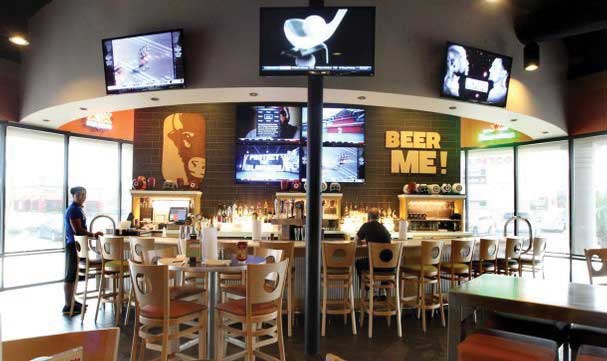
328, 41
266, 163
476, 75
261, 123
339, 126
136, 63
339, 164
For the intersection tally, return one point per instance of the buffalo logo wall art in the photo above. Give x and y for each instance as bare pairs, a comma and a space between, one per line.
183, 148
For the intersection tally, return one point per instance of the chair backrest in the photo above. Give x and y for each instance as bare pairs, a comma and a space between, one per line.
82, 246
338, 254
140, 245
514, 248
462, 250
271, 255
539, 247
488, 249
100, 345
431, 252
287, 248
384, 255
601, 253
151, 257
112, 248
151, 285
259, 290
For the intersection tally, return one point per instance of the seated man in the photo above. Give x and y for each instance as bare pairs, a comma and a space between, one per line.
372, 231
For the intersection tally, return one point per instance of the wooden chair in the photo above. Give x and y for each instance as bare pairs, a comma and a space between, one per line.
288, 249
98, 345
383, 275
89, 265
459, 267
487, 259
229, 280
151, 257
259, 314
138, 246
115, 269
426, 272
338, 273
155, 310
593, 273
511, 262
187, 247
534, 262
239, 291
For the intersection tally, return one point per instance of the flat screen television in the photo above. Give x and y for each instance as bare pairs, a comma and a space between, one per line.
268, 123
144, 62
476, 75
339, 125
267, 163
328, 41
339, 164
178, 214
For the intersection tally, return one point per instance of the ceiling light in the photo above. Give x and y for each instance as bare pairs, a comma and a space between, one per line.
362, 97
545, 132
19, 40
84, 109
154, 99
453, 107
513, 120
253, 94
46, 120
531, 56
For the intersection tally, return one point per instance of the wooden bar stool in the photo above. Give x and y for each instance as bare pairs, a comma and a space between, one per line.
426, 272
259, 315
593, 273
187, 248
89, 265
338, 273
138, 246
115, 269
226, 280
493, 345
534, 262
176, 319
510, 264
487, 258
383, 274
459, 267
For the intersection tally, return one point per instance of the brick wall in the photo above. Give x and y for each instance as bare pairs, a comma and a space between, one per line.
218, 187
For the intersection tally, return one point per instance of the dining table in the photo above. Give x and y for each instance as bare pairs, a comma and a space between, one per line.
546, 299
211, 268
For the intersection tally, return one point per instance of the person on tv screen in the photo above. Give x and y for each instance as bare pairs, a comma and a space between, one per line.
457, 69
499, 76
287, 131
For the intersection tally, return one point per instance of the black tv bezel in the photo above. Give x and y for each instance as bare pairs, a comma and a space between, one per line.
444, 70
150, 88
314, 72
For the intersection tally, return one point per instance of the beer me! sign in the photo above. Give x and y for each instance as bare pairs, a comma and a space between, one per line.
415, 152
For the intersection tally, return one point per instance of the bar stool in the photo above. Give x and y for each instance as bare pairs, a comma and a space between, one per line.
258, 314
383, 274
426, 272
239, 291
593, 273
487, 262
460, 264
338, 273
226, 281
493, 345
511, 262
115, 269
155, 310
138, 246
89, 265
535, 261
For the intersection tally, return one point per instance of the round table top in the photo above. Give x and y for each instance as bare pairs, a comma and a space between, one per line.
231, 266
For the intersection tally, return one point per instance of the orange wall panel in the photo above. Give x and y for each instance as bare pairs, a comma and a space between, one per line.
122, 126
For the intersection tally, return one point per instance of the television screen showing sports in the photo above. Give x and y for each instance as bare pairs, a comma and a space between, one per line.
476, 75
339, 125
330, 41
340, 164
144, 62
268, 123
267, 163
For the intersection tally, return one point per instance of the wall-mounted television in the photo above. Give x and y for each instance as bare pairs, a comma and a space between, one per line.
328, 41
152, 61
266, 163
339, 125
476, 75
268, 123
339, 164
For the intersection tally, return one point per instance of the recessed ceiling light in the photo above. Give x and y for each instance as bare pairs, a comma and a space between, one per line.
545, 132
19, 39
362, 97
154, 99
336, 53
46, 120
513, 120
453, 107
253, 94
84, 109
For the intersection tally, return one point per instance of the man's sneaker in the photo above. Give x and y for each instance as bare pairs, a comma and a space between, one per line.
77, 309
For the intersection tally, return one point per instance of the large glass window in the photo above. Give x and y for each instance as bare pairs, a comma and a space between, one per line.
127, 179
93, 164
34, 191
543, 192
490, 175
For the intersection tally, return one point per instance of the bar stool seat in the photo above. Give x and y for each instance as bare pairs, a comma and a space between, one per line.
492, 345
592, 353
239, 308
487, 265
458, 268
93, 263
114, 266
236, 290
177, 309
429, 271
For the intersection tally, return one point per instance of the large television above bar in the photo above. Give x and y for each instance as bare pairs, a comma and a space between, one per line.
267, 163
268, 123
340, 126
339, 164
144, 62
328, 41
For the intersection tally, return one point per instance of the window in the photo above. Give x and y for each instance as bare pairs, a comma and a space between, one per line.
543, 192
93, 164
34, 191
127, 180
490, 175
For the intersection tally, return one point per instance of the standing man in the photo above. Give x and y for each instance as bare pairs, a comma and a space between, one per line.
372, 231
75, 225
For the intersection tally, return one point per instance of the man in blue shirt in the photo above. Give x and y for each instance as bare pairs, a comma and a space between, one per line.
75, 225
